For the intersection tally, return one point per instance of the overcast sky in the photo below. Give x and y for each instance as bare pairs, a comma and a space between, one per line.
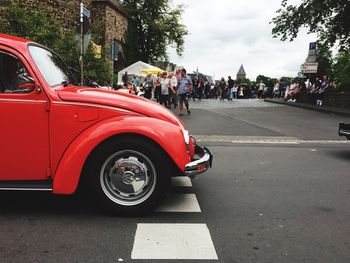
227, 33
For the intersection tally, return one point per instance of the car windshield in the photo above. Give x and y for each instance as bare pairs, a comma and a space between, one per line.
51, 66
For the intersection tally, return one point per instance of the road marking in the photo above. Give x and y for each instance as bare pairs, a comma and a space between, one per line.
173, 241
323, 141
263, 140
181, 203
181, 181
244, 139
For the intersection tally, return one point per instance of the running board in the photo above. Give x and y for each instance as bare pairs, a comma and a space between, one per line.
44, 185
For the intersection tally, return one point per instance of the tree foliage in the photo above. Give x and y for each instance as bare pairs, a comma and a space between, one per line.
154, 25
341, 70
324, 57
243, 81
328, 18
267, 80
38, 26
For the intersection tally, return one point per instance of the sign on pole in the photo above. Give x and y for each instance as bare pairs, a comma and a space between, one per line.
310, 68
113, 55
113, 51
86, 12
311, 57
312, 46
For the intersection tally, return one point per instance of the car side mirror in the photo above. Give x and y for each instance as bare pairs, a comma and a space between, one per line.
25, 78
27, 86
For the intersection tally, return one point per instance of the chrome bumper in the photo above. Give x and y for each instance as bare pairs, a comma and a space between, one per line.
203, 160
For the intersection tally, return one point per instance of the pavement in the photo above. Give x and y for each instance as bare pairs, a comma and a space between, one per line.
326, 109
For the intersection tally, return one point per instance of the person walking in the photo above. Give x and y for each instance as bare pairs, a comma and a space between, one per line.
222, 86
157, 89
261, 89
148, 85
200, 89
185, 88
207, 90
194, 88
125, 79
173, 89
240, 92
164, 90
230, 83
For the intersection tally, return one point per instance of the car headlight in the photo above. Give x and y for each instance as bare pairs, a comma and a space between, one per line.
187, 139
186, 136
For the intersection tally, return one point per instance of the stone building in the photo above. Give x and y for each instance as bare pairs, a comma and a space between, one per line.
115, 21
241, 73
109, 12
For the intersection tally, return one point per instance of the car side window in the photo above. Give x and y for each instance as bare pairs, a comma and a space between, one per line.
13, 74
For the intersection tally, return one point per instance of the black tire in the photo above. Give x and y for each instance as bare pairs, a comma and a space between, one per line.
128, 175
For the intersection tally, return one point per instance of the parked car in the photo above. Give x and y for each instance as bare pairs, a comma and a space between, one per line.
344, 130
55, 135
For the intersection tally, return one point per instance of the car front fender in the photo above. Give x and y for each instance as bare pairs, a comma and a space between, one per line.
168, 136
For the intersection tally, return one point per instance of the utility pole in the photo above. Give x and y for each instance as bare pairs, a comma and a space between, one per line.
81, 42
113, 56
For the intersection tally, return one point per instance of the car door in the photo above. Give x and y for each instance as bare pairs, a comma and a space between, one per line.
24, 130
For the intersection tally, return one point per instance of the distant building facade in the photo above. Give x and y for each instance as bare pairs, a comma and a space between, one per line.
241, 73
108, 12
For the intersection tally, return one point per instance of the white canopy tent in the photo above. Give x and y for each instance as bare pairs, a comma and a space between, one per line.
135, 70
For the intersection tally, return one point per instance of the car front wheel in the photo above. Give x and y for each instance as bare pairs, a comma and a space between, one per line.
128, 176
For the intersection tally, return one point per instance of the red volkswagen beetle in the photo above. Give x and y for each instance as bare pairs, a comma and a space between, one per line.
55, 135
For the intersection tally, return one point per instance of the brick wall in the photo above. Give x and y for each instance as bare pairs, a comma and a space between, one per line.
108, 12
67, 12
116, 25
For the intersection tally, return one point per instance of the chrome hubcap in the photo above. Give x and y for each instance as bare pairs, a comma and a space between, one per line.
128, 177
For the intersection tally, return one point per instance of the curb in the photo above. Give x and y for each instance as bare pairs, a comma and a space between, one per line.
325, 109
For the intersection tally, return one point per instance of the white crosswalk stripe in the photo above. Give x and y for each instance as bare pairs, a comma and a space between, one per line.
181, 203
181, 181
173, 241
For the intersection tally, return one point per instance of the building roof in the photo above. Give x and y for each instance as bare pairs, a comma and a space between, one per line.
241, 71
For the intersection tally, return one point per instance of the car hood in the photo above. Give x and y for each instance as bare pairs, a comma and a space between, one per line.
119, 100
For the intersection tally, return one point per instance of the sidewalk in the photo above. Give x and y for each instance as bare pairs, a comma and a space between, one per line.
333, 110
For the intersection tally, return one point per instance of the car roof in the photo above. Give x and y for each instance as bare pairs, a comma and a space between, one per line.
4, 38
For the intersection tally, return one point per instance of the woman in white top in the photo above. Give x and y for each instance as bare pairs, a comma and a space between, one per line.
164, 90
173, 89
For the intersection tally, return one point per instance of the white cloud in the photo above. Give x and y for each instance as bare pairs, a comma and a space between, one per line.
225, 34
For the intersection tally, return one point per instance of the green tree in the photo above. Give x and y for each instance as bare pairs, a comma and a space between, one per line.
286, 80
39, 27
328, 18
263, 78
154, 25
341, 70
324, 59
34, 25
243, 81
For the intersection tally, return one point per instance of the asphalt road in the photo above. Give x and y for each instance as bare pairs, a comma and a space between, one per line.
278, 192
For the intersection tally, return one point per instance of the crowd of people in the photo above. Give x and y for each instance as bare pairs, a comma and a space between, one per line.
168, 88
315, 90
173, 88
164, 88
